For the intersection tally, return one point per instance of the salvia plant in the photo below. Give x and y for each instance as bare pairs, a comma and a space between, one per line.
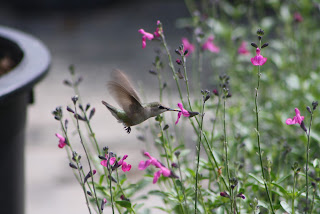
245, 135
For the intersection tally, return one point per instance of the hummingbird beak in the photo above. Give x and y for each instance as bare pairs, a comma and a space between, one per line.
171, 109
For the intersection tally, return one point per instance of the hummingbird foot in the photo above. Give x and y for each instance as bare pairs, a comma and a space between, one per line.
128, 129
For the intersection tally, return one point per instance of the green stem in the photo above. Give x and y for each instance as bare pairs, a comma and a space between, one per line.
226, 150
258, 139
307, 162
198, 159
293, 190
110, 183
87, 156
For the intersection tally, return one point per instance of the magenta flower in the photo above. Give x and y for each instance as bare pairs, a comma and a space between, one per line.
150, 36
105, 162
62, 141
145, 36
296, 119
242, 50
124, 165
187, 46
153, 161
258, 60
297, 17
210, 46
182, 112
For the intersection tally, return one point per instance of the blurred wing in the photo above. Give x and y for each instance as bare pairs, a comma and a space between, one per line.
123, 92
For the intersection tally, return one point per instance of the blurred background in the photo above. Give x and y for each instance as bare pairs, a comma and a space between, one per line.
96, 37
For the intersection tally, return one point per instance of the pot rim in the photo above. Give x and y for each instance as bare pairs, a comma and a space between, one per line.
33, 66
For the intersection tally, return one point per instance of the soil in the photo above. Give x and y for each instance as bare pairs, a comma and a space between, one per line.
10, 55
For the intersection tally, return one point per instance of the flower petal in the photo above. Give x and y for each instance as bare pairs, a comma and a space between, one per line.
156, 176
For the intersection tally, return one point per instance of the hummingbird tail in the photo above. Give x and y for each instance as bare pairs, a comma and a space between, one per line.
112, 109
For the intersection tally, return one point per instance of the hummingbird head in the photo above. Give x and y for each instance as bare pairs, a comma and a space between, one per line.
156, 108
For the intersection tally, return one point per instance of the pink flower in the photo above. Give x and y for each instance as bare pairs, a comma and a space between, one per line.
182, 112
105, 162
258, 60
150, 36
296, 119
187, 46
153, 161
243, 49
145, 36
125, 166
297, 17
62, 141
210, 46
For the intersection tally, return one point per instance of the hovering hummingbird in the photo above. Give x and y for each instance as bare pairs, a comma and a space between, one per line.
133, 112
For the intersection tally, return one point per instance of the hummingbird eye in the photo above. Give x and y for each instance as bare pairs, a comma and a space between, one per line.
161, 107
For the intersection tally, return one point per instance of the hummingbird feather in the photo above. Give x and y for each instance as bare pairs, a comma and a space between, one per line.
124, 94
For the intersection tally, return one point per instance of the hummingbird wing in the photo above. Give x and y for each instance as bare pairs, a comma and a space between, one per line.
125, 95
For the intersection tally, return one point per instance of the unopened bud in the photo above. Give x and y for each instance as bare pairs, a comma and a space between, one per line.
165, 127
264, 45
103, 203
73, 166
260, 32
178, 61
102, 157
174, 165
70, 109
153, 72
180, 75
93, 110
67, 82
302, 125
224, 194
314, 105
89, 175
75, 99
177, 52
87, 107
186, 52
89, 193
309, 109
177, 154
254, 45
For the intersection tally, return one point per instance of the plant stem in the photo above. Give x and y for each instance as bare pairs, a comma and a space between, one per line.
307, 162
293, 193
110, 183
198, 159
226, 150
87, 156
258, 139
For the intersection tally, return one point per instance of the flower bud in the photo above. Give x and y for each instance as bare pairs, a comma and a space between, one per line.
177, 52
177, 154
70, 109
93, 110
254, 45
89, 193
314, 105
224, 194
102, 157
264, 45
71, 69
309, 109
260, 32
67, 83
186, 52
75, 99
165, 127
87, 107
153, 72
302, 125
178, 61
103, 203
180, 75
73, 166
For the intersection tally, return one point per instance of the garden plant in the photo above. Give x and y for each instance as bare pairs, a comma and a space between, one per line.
244, 93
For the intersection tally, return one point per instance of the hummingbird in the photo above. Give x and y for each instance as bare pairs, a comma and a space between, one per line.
133, 112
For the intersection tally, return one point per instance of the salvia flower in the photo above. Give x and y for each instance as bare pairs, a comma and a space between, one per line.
105, 162
182, 112
242, 50
187, 46
297, 17
150, 36
296, 119
210, 46
153, 161
258, 60
124, 165
62, 141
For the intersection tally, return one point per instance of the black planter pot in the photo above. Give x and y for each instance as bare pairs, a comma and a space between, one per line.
33, 60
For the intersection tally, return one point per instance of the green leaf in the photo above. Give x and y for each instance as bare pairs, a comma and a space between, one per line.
125, 204
280, 180
256, 178
101, 179
285, 206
